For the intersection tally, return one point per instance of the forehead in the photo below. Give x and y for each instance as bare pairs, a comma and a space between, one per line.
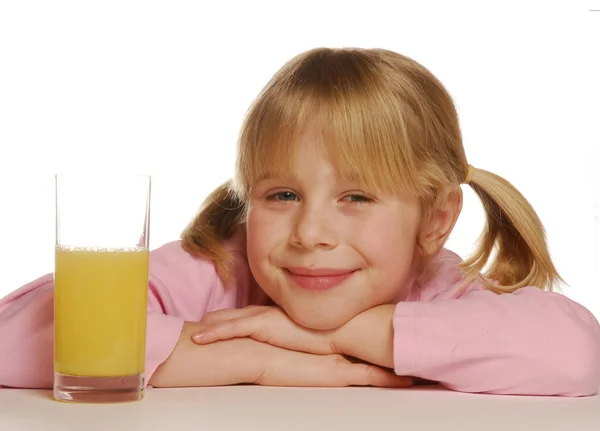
311, 159
346, 148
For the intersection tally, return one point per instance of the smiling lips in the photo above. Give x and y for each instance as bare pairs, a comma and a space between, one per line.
318, 279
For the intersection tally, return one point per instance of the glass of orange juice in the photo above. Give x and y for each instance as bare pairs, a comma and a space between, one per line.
100, 286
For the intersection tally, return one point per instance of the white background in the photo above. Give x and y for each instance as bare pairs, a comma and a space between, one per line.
161, 88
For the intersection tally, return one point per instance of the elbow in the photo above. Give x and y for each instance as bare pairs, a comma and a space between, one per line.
572, 357
566, 364
567, 367
29, 363
570, 361
580, 367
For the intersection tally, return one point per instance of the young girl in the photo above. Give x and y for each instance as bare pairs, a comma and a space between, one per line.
322, 263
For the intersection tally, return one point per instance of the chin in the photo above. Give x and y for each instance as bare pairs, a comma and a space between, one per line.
318, 321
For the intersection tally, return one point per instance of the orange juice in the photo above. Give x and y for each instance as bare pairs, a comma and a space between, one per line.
100, 300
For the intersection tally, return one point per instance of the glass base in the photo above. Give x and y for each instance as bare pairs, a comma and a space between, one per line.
98, 389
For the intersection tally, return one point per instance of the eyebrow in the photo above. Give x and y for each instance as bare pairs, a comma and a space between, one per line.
268, 176
291, 176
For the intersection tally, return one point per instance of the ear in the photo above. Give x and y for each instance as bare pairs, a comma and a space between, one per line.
440, 222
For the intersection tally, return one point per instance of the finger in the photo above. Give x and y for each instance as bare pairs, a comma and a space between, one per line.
292, 368
219, 315
423, 382
213, 317
228, 329
372, 375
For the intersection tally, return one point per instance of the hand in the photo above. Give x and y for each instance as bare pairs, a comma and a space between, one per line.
243, 360
290, 368
267, 324
368, 336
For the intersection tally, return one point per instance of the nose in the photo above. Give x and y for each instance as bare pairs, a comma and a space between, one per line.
313, 229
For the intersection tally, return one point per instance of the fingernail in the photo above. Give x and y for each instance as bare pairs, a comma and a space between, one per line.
198, 335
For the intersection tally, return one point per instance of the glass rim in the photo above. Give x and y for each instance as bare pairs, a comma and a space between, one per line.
101, 174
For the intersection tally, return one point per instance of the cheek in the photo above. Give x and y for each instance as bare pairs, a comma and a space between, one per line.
265, 233
385, 236
389, 249
264, 236
255, 228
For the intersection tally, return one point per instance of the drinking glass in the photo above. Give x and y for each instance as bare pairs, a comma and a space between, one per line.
100, 286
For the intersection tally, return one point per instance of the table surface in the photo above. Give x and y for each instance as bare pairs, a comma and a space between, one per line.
289, 409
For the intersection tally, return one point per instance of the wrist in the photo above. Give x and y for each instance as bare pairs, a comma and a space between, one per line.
222, 363
369, 336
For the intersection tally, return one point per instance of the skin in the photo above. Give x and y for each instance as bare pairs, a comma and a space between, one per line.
244, 360
317, 220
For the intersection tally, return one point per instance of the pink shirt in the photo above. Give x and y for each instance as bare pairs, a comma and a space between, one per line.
530, 342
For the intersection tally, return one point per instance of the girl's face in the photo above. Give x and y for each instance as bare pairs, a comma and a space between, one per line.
323, 249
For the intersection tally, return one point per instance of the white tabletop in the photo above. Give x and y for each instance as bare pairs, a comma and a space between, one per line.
290, 409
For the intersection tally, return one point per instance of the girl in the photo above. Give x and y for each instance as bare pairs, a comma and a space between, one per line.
323, 262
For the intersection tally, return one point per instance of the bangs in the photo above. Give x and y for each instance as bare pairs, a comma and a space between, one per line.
347, 105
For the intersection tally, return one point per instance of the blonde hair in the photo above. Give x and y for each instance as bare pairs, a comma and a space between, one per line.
374, 108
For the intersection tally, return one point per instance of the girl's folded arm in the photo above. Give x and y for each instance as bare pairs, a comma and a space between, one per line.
27, 336
530, 342
181, 288
228, 362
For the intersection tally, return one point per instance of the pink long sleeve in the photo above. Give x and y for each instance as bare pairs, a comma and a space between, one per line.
530, 342
180, 288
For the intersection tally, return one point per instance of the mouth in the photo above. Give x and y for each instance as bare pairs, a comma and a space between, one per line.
320, 279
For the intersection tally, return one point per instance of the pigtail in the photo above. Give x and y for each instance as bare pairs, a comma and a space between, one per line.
514, 233
214, 223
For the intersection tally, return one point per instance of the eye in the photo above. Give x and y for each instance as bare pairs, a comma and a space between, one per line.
282, 197
358, 198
